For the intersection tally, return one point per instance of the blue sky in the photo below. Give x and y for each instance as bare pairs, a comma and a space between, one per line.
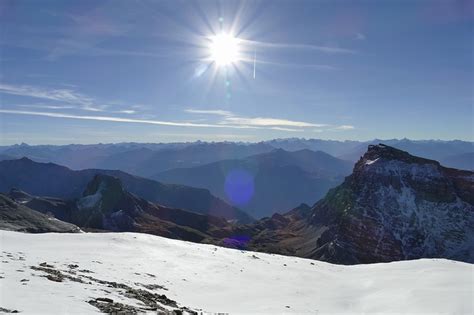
114, 71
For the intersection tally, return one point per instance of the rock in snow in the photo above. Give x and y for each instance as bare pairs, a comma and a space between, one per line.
88, 273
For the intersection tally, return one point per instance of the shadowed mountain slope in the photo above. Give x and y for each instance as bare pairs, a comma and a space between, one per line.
146, 162
274, 181
17, 217
106, 205
48, 179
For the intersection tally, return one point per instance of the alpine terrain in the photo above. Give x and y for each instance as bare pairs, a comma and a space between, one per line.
394, 206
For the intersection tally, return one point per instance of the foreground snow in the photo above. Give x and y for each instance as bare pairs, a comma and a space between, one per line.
216, 279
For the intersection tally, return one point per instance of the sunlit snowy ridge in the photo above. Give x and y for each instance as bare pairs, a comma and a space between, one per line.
81, 273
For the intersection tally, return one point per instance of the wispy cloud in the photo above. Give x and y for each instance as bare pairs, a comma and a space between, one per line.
230, 119
344, 127
325, 49
262, 121
42, 106
64, 99
295, 65
127, 111
134, 120
286, 129
230, 122
60, 95
218, 112
106, 118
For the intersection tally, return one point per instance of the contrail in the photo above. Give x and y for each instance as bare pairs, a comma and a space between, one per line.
254, 63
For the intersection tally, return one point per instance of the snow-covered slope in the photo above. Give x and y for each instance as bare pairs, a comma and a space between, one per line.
134, 269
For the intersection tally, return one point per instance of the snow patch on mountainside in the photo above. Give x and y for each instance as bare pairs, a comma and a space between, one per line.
409, 218
90, 201
370, 162
416, 171
215, 279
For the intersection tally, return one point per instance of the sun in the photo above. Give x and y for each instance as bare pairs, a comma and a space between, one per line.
224, 49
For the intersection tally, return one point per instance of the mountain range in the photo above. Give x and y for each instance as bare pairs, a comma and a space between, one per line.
266, 183
106, 206
148, 159
51, 180
394, 206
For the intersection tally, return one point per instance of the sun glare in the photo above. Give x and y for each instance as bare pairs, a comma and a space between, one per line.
224, 49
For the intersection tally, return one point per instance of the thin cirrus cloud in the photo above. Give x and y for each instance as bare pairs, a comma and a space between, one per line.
105, 118
60, 95
218, 112
70, 99
243, 123
251, 46
136, 120
42, 106
325, 49
229, 118
286, 64
296, 65
344, 127
127, 111
262, 121
67, 98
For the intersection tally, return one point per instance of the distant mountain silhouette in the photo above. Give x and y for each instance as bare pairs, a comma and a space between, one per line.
48, 179
143, 159
464, 161
279, 179
147, 159
146, 162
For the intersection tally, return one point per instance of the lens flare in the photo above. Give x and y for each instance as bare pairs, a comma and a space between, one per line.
239, 187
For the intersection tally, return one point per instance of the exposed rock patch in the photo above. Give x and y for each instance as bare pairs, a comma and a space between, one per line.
151, 301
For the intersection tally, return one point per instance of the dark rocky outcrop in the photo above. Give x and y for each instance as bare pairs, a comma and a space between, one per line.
17, 217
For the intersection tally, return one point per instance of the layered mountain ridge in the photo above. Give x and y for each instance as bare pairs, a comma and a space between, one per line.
52, 180
278, 180
394, 206
106, 206
147, 159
